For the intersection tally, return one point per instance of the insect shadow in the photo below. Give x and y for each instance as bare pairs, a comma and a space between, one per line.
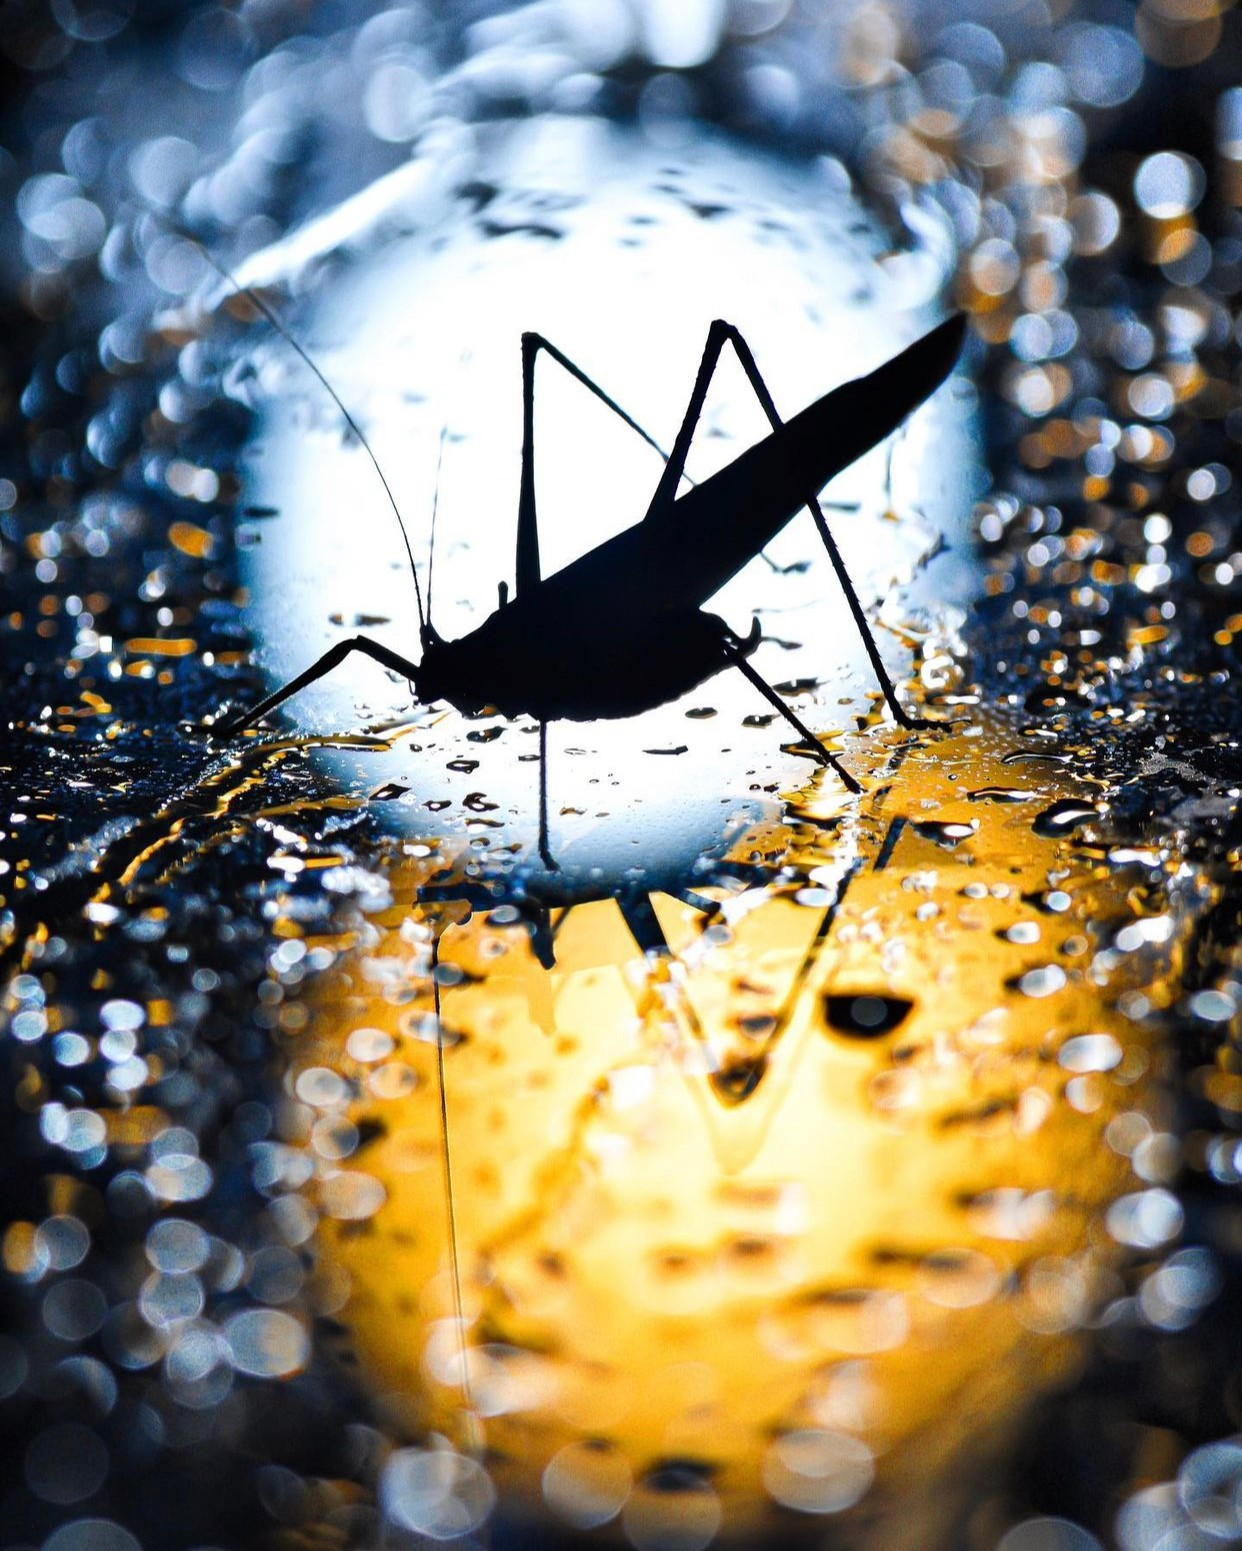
622, 629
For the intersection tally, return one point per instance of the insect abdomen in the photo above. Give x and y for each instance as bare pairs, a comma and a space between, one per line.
580, 665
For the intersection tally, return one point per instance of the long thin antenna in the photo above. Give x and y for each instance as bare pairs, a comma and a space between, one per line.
435, 508
449, 1200
253, 297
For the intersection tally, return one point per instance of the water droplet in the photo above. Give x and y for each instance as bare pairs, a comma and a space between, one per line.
1001, 794
267, 1343
1062, 816
436, 1492
65, 1240
1090, 1053
1146, 1219
945, 833
586, 1484
1046, 980
1213, 1006
673, 1508
66, 1463
121, 1014
367, 1044
817, 1471
1150, 1518
865, 1014
74, 1310
736, 1080
321, 1087
837, 1322
1209, 1485
14, 1366
176, 1245
351, 1196
958, 1278
91, 1535
1048, 1534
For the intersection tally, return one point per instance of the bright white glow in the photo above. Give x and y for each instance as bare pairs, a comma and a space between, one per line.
425, 333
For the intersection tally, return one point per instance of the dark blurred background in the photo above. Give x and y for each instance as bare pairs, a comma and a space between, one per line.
1085, 160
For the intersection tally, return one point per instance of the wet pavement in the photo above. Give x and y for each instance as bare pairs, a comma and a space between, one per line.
1002, 986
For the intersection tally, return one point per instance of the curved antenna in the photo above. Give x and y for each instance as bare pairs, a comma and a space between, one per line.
435, 507
256, 301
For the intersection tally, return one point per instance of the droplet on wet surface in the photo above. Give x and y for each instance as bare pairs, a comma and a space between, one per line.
948, 833
436, 1492
865, 1015
818, 1472
173, 952
1060, 817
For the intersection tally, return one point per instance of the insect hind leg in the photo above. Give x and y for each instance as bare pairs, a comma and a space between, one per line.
813, 505
718, 335
737, 658
331, 659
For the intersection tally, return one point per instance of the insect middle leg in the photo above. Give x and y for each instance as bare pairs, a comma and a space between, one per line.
545, 849
527, 569
331, 659
720, 334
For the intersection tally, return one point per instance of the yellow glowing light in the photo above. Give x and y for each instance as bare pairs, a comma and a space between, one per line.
157, 646
815, 1203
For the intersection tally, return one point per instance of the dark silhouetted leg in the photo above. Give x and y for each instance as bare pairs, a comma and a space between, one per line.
674, 468
900, 715
808, 737
527, 569
718, 335
332, 658
545, 850
639, 915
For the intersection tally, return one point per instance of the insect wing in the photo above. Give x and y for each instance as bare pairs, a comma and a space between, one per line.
694, 546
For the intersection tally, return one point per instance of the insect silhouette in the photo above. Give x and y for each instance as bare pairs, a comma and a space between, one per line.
622, 629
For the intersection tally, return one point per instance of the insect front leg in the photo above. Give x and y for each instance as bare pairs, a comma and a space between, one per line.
331, 659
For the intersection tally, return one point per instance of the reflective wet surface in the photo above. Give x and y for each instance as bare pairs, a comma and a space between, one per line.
871, 1176
880, 1139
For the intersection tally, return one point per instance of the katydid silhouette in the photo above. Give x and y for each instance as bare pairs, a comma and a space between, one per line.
622, 629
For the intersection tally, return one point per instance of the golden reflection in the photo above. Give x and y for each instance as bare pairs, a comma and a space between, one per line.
797, 1219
